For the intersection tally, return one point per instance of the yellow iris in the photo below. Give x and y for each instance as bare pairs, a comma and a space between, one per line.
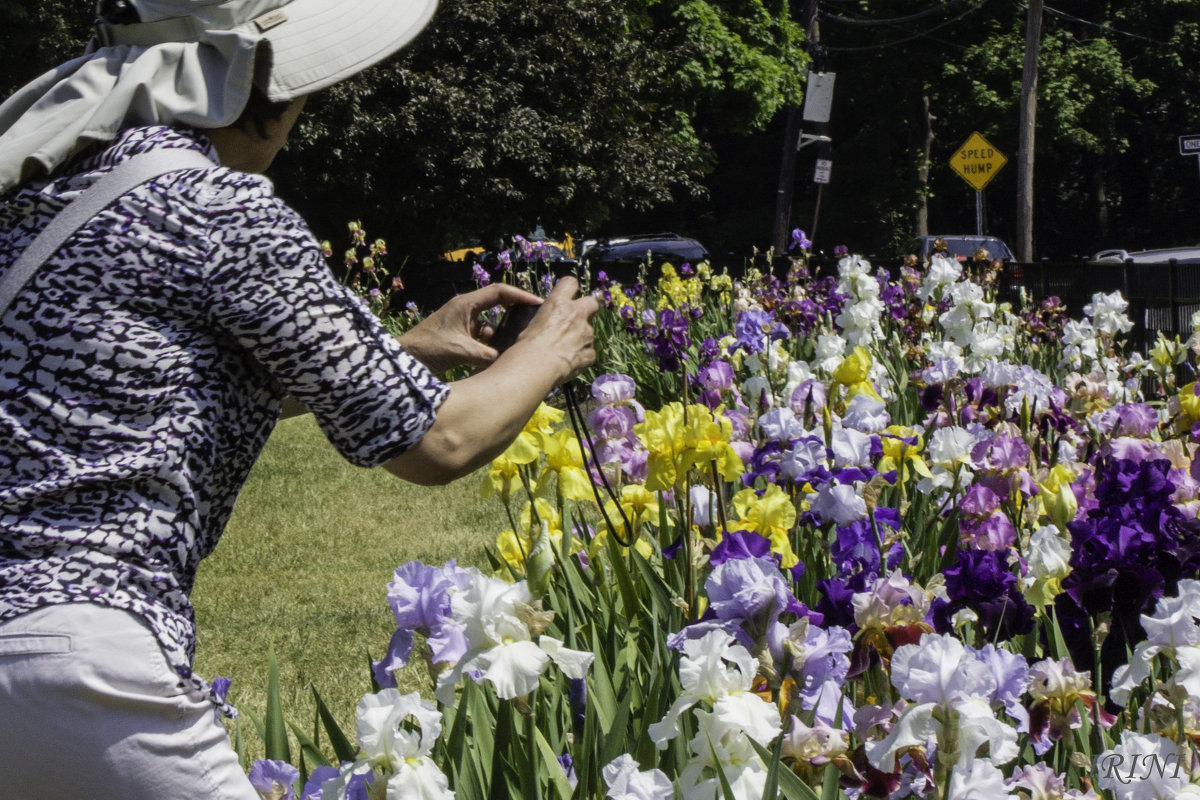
706, 442
564, 459
1189, 406
854, 373
639, 506
514, 547
662, 435
772, 516
676, 292
505, 473
901, 456
1058, 500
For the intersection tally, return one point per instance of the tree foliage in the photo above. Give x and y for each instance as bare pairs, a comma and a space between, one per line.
504, 114
666, 113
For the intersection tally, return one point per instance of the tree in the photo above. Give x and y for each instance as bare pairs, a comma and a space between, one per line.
37, 35
505, 114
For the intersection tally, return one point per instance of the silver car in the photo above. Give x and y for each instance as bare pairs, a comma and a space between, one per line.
1180, 255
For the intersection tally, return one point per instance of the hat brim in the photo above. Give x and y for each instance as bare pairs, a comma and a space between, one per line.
322, 42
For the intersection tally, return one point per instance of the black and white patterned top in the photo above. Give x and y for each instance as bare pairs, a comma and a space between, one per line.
142, 369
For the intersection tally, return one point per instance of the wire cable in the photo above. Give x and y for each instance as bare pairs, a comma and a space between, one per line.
921, 35
867, 22
1109, 29
582, 434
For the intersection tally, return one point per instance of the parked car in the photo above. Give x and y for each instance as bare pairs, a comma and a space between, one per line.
1182, 255
657, 247
963, 246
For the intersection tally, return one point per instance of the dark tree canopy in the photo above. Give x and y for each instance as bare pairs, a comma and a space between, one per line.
595, 116
502, 115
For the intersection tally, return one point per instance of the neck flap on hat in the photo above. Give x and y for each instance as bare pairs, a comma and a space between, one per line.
202, 84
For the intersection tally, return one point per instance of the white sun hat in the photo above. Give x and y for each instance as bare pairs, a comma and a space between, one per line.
192, 62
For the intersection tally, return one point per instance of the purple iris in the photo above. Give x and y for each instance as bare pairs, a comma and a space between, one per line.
1135, 419
312, 787
420, 599
715, 381
800, 240
1001, 453
752, 326
893, 299
749, 589
1128, 549
837, 595
982, 582
740, 544
268, 775
856, 547
668, 340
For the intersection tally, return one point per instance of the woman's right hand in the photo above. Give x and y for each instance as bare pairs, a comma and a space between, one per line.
561, 331
485, 411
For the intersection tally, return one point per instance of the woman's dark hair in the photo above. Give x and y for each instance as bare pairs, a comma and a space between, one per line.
259, 112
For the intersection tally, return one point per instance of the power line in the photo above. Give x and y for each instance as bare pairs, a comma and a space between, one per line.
867, 22
1109, 29
920, 35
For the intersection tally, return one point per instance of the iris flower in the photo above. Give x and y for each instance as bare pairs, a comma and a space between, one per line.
943, 678
902, 447
564, 459
626, 782
706, 437
771, 515
662, 433
720, 673
392, 753
501, 627
274, 780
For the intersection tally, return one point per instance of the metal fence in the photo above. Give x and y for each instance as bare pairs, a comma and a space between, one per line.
1162, 297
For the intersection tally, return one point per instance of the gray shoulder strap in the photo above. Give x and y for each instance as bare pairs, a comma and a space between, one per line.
126, 176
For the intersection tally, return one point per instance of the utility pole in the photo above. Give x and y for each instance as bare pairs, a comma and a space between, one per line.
1029, 79
791, 141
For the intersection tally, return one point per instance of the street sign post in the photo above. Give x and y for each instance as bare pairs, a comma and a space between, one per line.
821, 172
1190, 146
976, 161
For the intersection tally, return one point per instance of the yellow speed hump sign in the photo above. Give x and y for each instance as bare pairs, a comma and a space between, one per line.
977, 162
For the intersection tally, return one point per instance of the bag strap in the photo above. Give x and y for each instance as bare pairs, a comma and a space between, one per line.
127, 175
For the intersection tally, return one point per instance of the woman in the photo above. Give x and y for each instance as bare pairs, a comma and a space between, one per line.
144, 364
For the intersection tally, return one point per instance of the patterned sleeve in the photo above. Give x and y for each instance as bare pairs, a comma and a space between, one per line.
269, 287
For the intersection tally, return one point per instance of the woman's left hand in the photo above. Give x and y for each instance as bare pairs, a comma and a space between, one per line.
456, 334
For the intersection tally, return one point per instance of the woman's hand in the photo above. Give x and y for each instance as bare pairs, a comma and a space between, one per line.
485, 411
561, 330
456, 334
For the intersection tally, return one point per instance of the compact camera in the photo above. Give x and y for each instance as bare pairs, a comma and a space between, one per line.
515, 320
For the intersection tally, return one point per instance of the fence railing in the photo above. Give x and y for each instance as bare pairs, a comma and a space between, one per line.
1162, 297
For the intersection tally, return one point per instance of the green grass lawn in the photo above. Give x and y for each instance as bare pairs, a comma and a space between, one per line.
303, 568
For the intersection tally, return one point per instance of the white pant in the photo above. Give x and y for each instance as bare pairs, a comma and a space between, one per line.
89, 710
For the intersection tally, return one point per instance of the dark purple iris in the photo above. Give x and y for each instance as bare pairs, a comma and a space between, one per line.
856, 547
740, 544
837, 595
668, 340
894, 301
1129, 549
983, 582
